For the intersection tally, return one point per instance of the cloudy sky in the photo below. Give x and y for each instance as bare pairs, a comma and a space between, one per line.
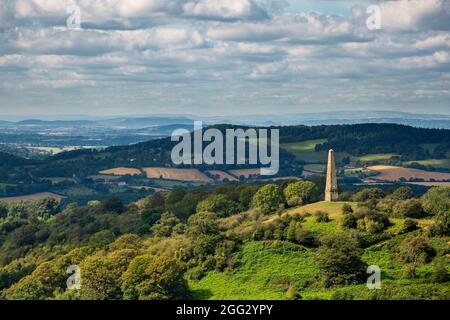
223, 57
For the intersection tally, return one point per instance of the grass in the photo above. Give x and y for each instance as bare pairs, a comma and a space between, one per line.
304, 150
334, 209
437, 163
376, 157
265, 267
318, 168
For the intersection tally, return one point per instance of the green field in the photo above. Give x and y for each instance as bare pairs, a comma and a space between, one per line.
304, 150
334, 209
318, 168
376, 157
437, 163
264, 267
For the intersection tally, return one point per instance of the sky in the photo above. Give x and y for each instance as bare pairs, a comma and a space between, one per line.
223, 57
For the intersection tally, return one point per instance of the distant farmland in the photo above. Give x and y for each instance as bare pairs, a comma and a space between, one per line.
34, 197
177, 174
246, 173
122, 171
221, 175
392, 173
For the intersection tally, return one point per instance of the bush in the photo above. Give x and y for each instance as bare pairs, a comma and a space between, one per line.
347, 209
349, 221
402, 193
321, 216
339, 260
416, 250
409, 225
440, 274
368, 194
411, 208
410, 271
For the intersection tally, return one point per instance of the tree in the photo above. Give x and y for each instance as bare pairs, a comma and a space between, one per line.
220, 204
135, 274
101, 274
339, 260
126, 241
28, 288
113, 204
368, 194
300, 192
268, 198
168, 225
163, 280
411, 208
45, 208
402, 193
437, 200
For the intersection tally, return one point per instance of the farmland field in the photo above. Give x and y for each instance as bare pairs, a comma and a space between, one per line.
437, 163
305, 151
246, 173
177, 174
222, 175
34, 197
121, 171
392, 173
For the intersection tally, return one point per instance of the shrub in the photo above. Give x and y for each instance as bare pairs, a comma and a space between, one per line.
440, 274
339, 260
347, 209
411, 208
402, 193
368, 194
321, 216
416, 250
409, 225
349, 221
410, 271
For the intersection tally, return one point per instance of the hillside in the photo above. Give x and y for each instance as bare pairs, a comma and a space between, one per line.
237, 241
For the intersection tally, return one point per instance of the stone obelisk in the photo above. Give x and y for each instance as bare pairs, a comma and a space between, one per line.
331, 191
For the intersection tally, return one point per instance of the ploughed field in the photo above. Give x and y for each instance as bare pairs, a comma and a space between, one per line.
393, 173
